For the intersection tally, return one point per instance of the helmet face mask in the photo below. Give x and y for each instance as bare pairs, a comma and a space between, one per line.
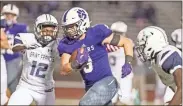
72, 31
46, 30
10, 18
140, 52
47, 33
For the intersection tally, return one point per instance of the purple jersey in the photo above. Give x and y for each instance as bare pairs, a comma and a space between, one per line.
99, 66
11, 32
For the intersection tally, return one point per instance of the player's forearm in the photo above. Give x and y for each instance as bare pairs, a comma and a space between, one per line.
127, 44
4, 40
18, 48
66, 69
3, 35
177, 98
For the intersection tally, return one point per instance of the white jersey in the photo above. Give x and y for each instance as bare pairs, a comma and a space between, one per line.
117, 60
177, 38
167, 61
38, 64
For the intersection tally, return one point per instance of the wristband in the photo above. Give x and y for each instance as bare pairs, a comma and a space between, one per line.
128, 59
74, 64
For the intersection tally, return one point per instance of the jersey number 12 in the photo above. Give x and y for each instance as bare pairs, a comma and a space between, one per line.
41, 67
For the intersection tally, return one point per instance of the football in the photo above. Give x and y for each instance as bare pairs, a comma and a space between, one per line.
74, 54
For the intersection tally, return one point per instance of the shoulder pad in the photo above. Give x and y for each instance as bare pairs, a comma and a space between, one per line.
100, 25
27, 38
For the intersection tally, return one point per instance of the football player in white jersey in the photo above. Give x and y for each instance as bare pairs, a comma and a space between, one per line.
166, 61
13, 61
116, 61
4, 48
36, 82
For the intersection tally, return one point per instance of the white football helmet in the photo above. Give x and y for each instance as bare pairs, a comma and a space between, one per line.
45, 20
13, 9
119, 27
150, 41
75, 22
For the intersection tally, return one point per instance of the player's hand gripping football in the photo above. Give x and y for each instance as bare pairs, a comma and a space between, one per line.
81, 59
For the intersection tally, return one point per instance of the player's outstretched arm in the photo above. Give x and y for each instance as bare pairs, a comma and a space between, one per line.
127, 44
177, 98
19, 45
65, 65
4, 40
18, 48
120, 41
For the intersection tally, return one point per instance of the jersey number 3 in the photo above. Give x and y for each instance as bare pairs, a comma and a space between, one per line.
89, 66
41, 68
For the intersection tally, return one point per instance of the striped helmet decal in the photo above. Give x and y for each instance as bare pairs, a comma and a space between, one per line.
48, 17
65, 15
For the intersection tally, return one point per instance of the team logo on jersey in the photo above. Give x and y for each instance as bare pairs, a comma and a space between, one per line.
83, 45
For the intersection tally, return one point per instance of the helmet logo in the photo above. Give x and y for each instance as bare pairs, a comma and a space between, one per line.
81, 14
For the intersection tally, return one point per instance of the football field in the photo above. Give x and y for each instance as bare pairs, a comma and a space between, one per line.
71, 96
76, 102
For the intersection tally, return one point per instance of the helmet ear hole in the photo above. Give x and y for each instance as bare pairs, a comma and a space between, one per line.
149, 49
152, 54
84, 24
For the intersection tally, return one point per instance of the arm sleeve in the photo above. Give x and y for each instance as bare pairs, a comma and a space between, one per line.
172, 63
62, 48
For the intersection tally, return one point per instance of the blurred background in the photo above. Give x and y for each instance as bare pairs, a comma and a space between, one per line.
137, 15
